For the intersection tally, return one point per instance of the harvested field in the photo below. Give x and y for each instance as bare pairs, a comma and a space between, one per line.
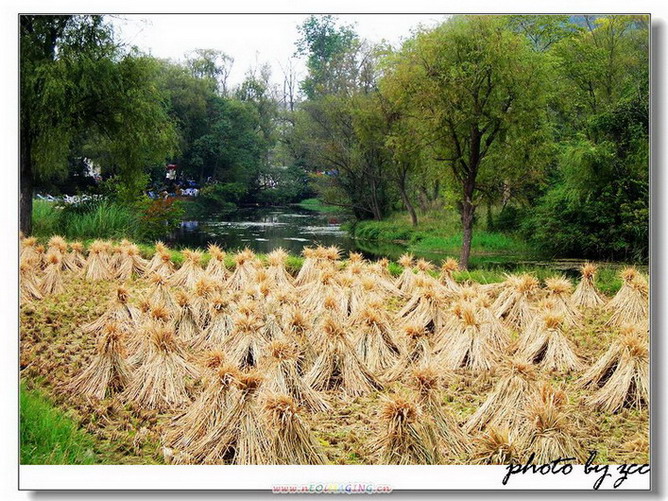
346, 385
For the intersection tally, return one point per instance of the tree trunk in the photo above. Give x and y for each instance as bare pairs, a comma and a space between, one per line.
468, 211
26, 184
408, 204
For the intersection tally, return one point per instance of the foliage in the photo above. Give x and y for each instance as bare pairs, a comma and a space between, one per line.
219, 198
49, 436
80, 89
159, 217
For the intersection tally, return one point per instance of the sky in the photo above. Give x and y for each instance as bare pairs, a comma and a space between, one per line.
250, 39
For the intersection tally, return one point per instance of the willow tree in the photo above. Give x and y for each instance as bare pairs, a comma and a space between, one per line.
479, 91
75, 81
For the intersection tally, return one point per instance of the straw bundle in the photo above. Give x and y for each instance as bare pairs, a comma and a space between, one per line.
244, 272
96, 266
310, 269
586, 294
239, 437
425, 308
549, 433
28, 281
446, 278
338, 366
215, 268
245, 345
382, 277
108, 370
291, 439
494, 330
548, 347
621, 374
185, 322
219, 327
513, 304
428, 384
75, 260
282, 375
276, 270
52, 281
469, 347
119, 312
631, 303
207, 411
495, 446
160, 382
57, 245
406, 281
131, 263
374, 338
160, 292
560, 290
189, 272
29, 250
205, 288
140, 345
511, 394
402, 438
161, 262
415, 352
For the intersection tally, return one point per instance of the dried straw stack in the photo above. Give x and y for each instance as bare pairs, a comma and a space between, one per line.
215, 268
205, 414
291, 439
448, 267
189, 272
276, 271
160, 382
586, 294
403, 438
281, 370
96, 265
495, 446
469, 347
161, 262
119, 312
131, 263
504, 405
547, 346
52, 281
429, 386
631, 303
416, 352
514, 302
244, 272
28, 280
621, 375
108, 371
338, 367
374, 338
560, 293
550, 433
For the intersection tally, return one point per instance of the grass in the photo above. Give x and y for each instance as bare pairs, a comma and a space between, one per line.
437, 232
105, 220
315, 204
49, 436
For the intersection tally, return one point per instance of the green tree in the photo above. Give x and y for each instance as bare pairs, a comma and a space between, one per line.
477, 86
327, 48
74, 79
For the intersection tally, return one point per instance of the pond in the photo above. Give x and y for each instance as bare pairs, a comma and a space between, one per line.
263, 229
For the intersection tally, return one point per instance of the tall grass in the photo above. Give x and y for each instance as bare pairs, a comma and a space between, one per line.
48, 436
101, 220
